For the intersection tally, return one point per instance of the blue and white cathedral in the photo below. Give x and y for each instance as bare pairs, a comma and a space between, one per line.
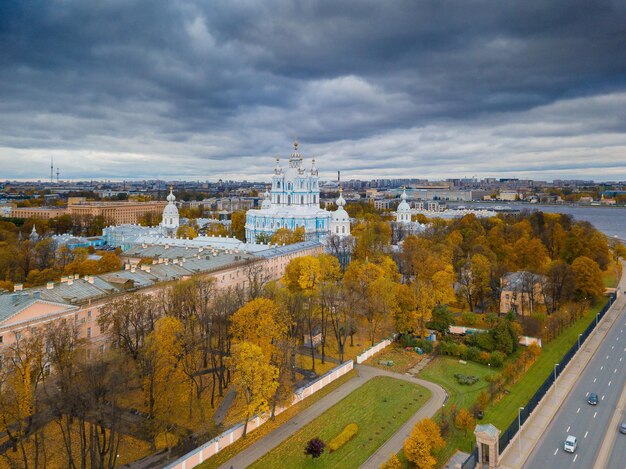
294, 201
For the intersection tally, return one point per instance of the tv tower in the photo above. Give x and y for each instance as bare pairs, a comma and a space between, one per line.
51, 170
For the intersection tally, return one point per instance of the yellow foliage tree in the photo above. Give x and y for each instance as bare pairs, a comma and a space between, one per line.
430, 428
464, 420
254, 377
255, 322
417, 449
392, 463
286, 236
186, 231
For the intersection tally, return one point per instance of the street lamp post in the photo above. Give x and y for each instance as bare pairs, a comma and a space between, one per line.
579, 341
555, 365
519, 426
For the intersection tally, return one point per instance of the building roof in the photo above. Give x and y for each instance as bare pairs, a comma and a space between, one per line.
515, 280
13, 303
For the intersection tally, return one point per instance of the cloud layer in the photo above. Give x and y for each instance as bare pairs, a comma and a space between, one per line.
197, 90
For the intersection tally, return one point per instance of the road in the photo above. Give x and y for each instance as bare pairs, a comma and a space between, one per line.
365, 373
605, 375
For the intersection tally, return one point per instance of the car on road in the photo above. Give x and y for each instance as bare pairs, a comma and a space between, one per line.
593, 399
622, 428
570, 444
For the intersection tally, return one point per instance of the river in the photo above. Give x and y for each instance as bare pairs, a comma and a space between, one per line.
609, 220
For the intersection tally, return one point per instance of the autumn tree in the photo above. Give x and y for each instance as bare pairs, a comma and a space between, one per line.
254, 378
423, 440
186, 231
392, 463
287, 236
128, 320
255, 323
587, 278
238, 224
464, 420
558, 285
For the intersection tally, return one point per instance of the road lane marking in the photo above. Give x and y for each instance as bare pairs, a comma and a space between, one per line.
594, 414
612, 347
609, 383
615, 370
574, 460
602, 367
602, 397
567, 431
594, 380
587, 395
586, 433
556, 451
578, 410
607, 357
621, 359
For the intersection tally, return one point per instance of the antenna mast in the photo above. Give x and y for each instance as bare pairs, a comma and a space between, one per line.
51, 170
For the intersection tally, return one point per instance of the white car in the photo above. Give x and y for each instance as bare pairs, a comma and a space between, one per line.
570, 444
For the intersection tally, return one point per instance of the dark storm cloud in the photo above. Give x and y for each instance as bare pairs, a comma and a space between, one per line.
192, 89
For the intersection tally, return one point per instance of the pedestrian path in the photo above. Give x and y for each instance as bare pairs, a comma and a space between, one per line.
364, 374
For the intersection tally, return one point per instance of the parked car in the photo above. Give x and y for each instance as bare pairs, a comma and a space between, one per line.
622, 428
570, 444
593, 399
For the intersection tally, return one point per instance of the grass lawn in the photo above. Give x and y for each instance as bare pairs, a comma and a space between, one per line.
502, 413
403, 360
271, 425
609, 277
379, 408
441, 371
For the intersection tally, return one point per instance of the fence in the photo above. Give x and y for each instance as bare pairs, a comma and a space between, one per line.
509, 433
373, 350
214, 446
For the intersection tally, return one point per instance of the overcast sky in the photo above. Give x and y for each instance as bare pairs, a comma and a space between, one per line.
214, 89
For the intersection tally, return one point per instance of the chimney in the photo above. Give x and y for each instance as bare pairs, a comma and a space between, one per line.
18, 287
49, 285
148, 268
70, 281
126, 266
76, 276
90, 279
132, 269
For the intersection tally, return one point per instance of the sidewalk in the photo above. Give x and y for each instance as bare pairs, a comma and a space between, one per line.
538, 422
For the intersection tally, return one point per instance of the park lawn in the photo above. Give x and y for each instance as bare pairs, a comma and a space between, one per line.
304, 361
271, 425
379, 408
503, 412
609, 277
442, 371
402, 359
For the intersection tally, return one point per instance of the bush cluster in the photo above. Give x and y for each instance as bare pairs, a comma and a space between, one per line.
346, 435
495, 359
467, 380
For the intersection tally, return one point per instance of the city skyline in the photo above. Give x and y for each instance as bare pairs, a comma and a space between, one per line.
159, 90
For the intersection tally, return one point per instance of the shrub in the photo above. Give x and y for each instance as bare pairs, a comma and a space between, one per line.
425, 345
392, 463
346, 435
471, 353
466, 379
497, 359
314, 448
485, 341
469, 318
407, 340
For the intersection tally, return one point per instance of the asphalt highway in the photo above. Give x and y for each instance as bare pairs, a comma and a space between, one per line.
606, 376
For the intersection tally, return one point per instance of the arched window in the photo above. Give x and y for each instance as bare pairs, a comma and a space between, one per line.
337, 229
289, 200
343, 229
302, 199
278, 184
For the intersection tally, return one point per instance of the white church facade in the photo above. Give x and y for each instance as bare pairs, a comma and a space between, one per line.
294, 201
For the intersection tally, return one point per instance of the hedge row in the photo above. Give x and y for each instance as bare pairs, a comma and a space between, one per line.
346, 435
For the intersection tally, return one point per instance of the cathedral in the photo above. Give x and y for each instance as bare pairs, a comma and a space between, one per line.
294, 201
